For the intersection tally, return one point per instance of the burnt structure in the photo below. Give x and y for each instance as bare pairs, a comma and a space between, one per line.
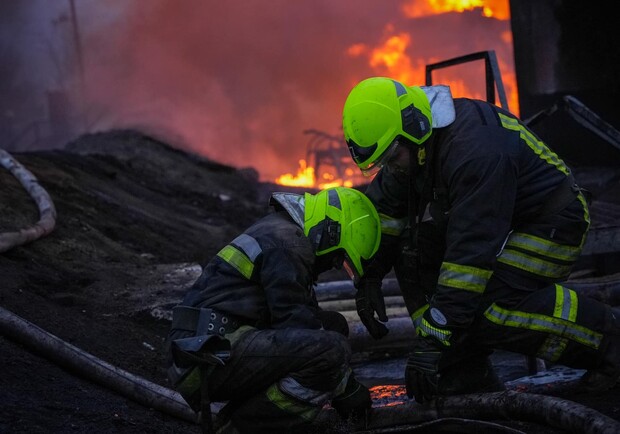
568, 48
567, 63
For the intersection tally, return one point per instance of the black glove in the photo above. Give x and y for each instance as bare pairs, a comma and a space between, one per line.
354, 404
334, 321
422, 371
368, 300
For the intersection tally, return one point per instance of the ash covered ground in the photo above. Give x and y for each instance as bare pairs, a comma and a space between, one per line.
132, 213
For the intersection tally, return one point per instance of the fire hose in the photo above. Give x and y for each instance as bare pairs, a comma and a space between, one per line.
548, 410
47, 211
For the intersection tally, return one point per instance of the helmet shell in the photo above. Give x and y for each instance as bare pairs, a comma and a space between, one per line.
377, 111
354, 215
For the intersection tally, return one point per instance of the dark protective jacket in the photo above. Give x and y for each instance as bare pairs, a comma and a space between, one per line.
253, 318
264, 277
499, 195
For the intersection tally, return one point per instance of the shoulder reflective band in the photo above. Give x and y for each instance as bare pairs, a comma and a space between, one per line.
533, 143
241, 254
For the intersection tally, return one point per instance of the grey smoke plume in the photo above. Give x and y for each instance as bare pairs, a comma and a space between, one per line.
237, 82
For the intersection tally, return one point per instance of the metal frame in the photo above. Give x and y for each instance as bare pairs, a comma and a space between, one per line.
493, 77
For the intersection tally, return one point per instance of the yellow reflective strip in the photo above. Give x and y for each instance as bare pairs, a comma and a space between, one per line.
586, 216
391, 225
237, 259
534, 265
559, 301
566, 303
574, 303
543, 247
190, 384
415, 317
543, 323
282, 401
427, 329
533, 143
343, 383
552, 348
464, 277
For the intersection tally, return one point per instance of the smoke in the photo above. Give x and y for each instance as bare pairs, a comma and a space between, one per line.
239, 82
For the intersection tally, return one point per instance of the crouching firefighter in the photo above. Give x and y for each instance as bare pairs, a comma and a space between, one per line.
250, 332
497, 223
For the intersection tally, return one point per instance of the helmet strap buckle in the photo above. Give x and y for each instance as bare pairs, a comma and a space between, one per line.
332, 229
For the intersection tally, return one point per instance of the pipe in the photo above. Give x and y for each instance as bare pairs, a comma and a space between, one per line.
522, 406
507, 405
605, 289
75, 360
47, 211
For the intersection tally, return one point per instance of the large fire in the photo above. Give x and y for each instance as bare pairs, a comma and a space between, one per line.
390, 57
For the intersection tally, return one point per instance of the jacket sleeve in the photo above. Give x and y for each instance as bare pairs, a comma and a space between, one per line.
389, 194
482, 194
286, 277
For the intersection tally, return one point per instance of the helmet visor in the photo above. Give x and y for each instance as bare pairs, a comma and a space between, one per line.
383, 159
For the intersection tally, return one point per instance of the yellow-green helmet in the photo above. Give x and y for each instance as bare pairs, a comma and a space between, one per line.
343, 218
377, 112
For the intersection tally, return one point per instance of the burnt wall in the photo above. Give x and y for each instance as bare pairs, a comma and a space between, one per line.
568, 48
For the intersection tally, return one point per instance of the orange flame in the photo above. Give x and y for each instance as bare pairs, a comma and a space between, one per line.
304, 177
499, 9
390, 59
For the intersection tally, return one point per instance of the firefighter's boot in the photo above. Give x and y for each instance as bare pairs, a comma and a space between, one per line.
354, 404
607, 374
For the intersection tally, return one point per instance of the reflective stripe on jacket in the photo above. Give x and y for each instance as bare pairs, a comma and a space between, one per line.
495, 176
264, 276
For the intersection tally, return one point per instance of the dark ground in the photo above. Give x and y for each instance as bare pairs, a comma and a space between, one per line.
130, 210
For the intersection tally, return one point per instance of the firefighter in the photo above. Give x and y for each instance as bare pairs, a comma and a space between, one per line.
250, 331
481, 223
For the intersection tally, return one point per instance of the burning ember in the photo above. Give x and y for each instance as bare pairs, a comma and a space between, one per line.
391, 57
388, 395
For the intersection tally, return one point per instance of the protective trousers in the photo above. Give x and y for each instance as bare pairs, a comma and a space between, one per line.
279, 380
553, 323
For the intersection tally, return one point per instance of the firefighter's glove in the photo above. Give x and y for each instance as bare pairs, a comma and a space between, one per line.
422, 370
368, 300
334, 321
354, 404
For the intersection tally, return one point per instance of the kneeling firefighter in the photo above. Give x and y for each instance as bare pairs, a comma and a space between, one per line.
250, 330
496, 223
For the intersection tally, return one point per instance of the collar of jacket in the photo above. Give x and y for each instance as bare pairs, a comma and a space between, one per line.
294, 204
442, 105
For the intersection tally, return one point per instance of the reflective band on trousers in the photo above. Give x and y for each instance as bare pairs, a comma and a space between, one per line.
539, 148
464, 277
301, 401
241, 254
566, 303
560, 327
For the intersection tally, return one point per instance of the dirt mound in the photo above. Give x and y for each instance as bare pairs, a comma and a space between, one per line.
135, 217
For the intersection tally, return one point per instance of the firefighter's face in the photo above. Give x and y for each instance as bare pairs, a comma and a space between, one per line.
398, 162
